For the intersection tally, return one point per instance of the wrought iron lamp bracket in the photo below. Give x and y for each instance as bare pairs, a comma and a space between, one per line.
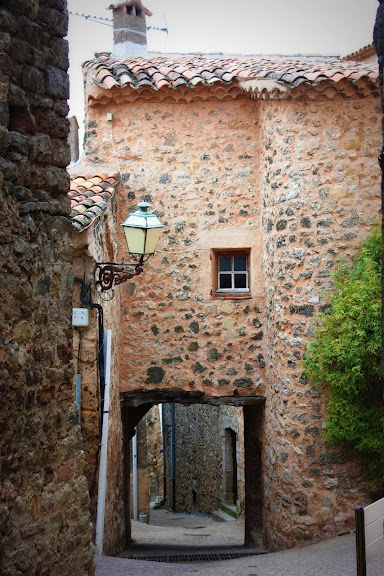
110, 274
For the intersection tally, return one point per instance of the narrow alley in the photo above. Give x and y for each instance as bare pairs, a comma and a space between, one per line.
177, 534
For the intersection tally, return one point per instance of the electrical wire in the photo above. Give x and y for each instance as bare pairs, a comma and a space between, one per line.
103, 21
78, 356
96, 19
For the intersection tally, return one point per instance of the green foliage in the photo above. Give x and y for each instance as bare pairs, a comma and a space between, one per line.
344, 359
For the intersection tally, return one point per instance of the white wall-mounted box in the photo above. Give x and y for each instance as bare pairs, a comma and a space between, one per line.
80, 317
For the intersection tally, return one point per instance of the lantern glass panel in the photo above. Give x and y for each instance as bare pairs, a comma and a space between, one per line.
135, 238
153, 235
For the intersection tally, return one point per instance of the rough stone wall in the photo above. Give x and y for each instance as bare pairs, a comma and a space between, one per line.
44, 517
114, 523
319, 179
85, 346
155, 454
98, 244
298, 183
199, 444
197, 162
147, 486
143, 496
198, 472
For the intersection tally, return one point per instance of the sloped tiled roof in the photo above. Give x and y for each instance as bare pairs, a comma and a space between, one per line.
190, 70
362, 54
89, 197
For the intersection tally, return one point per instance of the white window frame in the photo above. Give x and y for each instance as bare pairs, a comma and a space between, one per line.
232, 253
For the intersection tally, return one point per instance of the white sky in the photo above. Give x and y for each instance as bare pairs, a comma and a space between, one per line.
228, 26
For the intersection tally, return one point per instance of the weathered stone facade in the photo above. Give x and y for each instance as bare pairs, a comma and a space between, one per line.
294, 180
286, 174
204, 475
97, 243
321, 193
44, 502
197, 471
150, 463
202, 195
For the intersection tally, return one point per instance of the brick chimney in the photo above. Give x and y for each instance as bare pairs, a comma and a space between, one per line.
129, 29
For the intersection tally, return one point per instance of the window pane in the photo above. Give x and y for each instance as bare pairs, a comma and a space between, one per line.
240, 281
225, 281
240, 263
225, 264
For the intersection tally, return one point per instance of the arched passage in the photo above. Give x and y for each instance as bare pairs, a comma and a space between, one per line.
136, 405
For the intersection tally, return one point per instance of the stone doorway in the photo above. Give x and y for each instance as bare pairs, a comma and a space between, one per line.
136, 405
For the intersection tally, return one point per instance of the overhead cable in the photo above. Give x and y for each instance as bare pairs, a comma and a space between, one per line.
101, 20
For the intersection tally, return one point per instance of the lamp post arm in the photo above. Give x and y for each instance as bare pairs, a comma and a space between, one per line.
109, 274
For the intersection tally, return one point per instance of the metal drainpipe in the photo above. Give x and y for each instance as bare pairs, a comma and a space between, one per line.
173, 454
164, 436
78, 394
102, 486
134, 475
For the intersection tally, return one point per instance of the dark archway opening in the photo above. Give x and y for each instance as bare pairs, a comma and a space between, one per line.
136, 405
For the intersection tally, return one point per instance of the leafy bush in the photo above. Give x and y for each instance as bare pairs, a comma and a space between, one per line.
344, 359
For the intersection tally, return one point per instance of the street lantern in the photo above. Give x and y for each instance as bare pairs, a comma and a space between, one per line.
142, 230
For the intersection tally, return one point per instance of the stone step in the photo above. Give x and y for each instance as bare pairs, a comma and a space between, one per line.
230, 509
221, 516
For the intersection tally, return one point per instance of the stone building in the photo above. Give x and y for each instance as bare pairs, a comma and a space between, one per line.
45, 523
264, 172
205, 472
147, 470
96, 354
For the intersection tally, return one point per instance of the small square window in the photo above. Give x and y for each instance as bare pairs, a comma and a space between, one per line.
231, 273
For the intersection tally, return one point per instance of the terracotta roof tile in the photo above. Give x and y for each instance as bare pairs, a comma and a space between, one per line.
105, 196
88, 202
196, 80
102, 73
244, 73
98, 198
125, 79
90, 196
174, 71
78, 208
179, 82
163, 82
337, 77
226, 77
96, 189
80, 222
357, 75
312, 76
109, 82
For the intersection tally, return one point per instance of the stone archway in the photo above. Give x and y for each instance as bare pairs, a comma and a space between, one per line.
136, 405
